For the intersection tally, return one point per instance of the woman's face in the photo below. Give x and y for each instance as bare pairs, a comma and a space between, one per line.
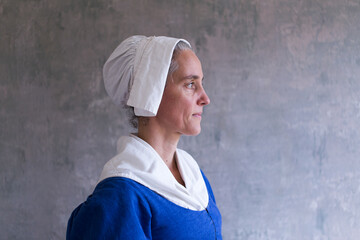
184, 97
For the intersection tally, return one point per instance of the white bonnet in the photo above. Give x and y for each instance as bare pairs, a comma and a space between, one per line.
135, 73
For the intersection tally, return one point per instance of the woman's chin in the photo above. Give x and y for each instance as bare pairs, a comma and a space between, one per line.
193, 132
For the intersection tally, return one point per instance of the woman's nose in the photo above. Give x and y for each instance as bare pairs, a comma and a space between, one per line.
203, 99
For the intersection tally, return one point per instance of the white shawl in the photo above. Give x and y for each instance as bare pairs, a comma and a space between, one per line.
138, 161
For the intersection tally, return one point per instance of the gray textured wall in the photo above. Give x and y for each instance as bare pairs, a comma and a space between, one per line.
280, 140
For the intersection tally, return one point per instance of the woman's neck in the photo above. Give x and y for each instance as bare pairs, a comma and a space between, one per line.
163, 142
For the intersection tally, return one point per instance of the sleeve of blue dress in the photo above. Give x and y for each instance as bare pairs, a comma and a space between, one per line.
113, 211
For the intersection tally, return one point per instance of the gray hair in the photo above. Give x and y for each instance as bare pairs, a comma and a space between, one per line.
180, 46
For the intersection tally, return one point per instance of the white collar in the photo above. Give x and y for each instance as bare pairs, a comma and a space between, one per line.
138, 161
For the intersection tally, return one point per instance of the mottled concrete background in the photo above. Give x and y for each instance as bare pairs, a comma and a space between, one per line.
280, 141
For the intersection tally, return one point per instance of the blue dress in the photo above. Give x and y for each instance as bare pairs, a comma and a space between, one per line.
121, 208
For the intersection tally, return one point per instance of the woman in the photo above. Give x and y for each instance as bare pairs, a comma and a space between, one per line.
151, 189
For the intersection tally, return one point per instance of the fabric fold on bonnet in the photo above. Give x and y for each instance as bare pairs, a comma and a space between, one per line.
135, 73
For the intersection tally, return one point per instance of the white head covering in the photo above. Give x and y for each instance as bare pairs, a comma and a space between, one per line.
135, 73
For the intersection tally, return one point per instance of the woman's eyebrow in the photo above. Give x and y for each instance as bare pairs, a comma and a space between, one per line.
192, 77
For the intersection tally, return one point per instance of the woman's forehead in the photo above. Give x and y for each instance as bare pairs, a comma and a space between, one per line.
189, 64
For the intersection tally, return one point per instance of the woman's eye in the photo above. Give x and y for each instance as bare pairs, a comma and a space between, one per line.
190, 85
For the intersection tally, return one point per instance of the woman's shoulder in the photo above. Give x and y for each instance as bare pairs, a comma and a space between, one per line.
113, 194
118, 189
114, 200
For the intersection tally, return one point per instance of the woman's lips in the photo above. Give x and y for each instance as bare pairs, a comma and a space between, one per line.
197, 115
